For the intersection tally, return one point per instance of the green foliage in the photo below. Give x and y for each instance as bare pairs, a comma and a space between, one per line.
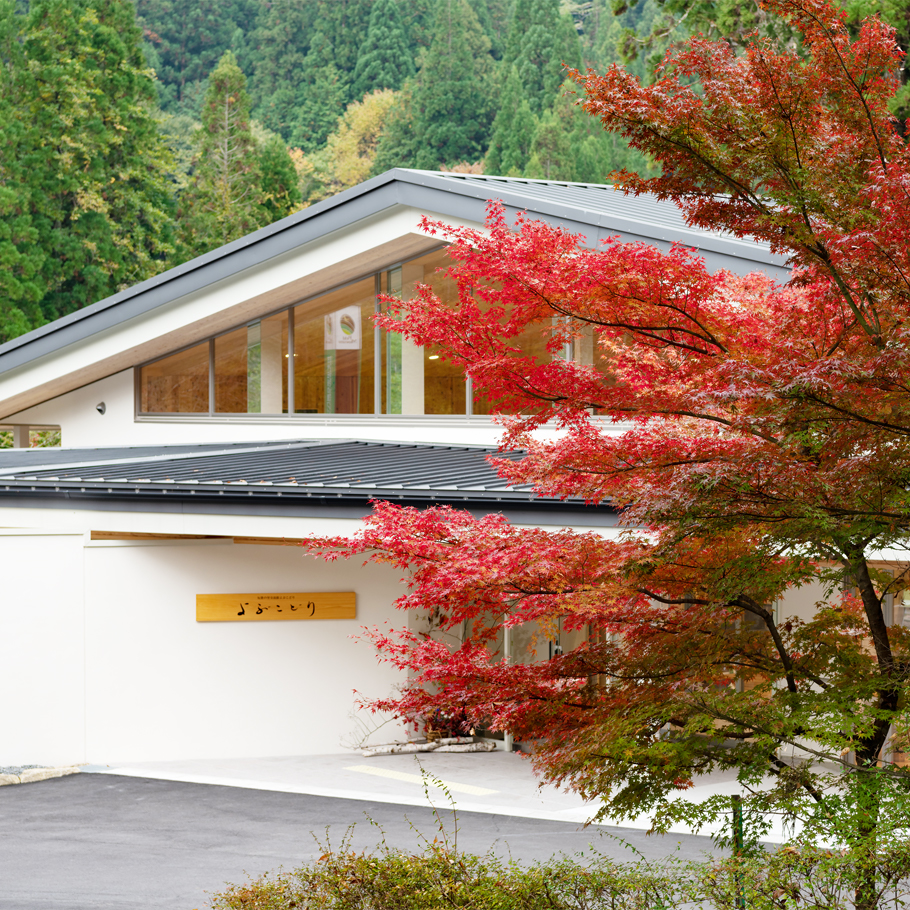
493, 16
453, 96
20, 256
279, 193
563, 144
179, 134
417, 19
279, 46
897, 14
513, 130
541, 43
441, 877
37, 439
347, 23
811, 878
570, 145
238, 184
384, 60
319, 99
221, 205
658, 24
87, 163
20, 263
186, 38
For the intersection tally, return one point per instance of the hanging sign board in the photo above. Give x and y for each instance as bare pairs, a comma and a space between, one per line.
256, 607
343, 330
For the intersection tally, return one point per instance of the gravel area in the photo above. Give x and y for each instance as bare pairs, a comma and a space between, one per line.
18, 769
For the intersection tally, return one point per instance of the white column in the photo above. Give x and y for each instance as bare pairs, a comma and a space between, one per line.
507, 653
412, 356
273, 366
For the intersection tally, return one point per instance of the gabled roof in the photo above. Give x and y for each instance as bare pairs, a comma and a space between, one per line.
314, 477
596, 211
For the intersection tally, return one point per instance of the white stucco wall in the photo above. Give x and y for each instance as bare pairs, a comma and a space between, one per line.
161, 686
102, 659
82, 426
42, 649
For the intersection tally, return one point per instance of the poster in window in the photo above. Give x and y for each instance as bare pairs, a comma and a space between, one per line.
343, 330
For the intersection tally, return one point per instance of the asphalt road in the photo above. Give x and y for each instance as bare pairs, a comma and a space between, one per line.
103, 842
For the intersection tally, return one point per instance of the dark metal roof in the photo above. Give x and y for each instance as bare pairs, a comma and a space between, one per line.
316, 474
597, 211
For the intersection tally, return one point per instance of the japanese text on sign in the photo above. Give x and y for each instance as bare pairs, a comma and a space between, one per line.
252, 607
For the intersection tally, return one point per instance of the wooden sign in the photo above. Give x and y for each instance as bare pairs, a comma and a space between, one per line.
254, 607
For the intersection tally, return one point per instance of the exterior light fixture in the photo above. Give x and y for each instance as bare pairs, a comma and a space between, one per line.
101, 407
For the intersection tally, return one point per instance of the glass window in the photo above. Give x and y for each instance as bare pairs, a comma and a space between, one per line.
418, 380
333, 351
251, 375
178, 384
532, 343
320, 357
231, 354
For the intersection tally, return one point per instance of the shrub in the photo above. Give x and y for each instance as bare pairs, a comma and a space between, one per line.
442, 878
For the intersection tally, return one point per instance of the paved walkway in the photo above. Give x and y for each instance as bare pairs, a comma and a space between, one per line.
115, 842
495, 783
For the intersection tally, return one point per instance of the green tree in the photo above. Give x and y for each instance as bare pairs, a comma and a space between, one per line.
346, 22
513, 130
238, 185
278, 48
186, 39
279, 193
20, 256
319, 97
91, 161
222, 203
384, 60
453, 95
541, 42
417, 19
570, 145
493, 16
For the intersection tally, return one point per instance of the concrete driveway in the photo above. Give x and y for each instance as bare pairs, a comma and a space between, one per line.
112, 842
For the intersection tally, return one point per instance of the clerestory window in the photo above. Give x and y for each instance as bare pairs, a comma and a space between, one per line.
321, 356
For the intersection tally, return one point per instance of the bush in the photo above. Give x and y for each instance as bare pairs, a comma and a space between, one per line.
442, 878
808, 878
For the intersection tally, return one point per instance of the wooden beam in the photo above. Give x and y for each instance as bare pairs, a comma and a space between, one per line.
141, 535
271, 541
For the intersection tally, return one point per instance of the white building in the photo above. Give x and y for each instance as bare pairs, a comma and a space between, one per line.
211, 416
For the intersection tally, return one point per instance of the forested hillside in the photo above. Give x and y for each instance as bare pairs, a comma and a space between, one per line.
138, 135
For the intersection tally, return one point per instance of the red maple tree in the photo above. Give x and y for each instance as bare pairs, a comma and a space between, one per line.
753, 437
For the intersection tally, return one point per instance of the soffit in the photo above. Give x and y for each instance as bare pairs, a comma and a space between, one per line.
268, 301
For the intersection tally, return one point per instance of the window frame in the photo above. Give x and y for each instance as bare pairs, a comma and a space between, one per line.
380, 278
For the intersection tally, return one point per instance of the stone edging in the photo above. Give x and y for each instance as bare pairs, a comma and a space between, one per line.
31, 775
